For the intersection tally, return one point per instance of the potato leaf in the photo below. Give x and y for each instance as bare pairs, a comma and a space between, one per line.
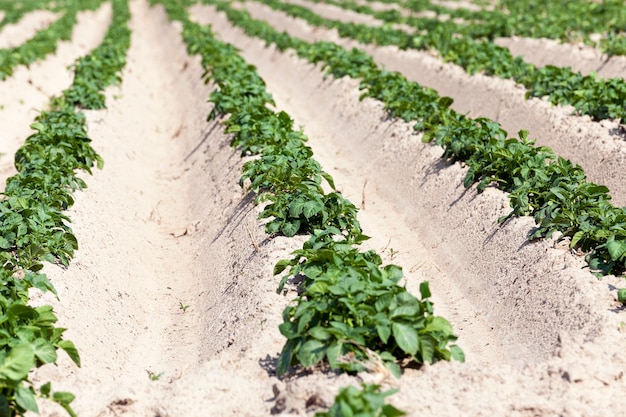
406, 337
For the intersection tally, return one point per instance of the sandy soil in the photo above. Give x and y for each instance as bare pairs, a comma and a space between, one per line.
458, 5
581, 58
171, 301
378, 6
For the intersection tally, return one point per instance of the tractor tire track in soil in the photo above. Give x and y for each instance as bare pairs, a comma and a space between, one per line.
27, 92
598, 147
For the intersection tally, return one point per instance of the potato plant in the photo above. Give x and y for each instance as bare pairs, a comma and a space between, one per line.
349, 305
34, 229
588, 94
45, 41
551, 189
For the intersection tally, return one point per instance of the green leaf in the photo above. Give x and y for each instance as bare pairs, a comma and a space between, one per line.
616, 249
41, 282
329, 180
284, 360
44, 351
311, 352
45, 389
391, 411
333, 353
384, 331
425, 290
406, 337
71, 351
427, 348
383, 302
20, 361
25, 398
394, 368
281, 266
24, 204
577, 237
523, 135
296, 208
457, 353
439, 324
22, 310
404, 311
319, 333
469, 178
39, 127
311, 208
64, 399
99, 162
290, 229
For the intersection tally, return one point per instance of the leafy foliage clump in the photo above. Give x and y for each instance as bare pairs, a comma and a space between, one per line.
365, 402
465, 46
33, 227
45, 41
349, 305
551, 189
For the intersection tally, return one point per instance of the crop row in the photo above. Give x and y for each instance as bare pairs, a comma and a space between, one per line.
15, 10
588, 94
552, 189
33, 228
570, 21
349, 306
45, 41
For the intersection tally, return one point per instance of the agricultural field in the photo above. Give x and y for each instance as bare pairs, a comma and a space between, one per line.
312, 207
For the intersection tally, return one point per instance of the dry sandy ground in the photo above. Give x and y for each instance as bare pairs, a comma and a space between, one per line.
173, 275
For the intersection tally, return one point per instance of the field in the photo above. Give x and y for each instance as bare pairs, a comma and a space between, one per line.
170, 293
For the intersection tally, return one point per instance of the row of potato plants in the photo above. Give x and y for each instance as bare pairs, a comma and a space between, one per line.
349, 305
551, 189
34, 229
567, 21
589, 95
15, 10
46, 40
